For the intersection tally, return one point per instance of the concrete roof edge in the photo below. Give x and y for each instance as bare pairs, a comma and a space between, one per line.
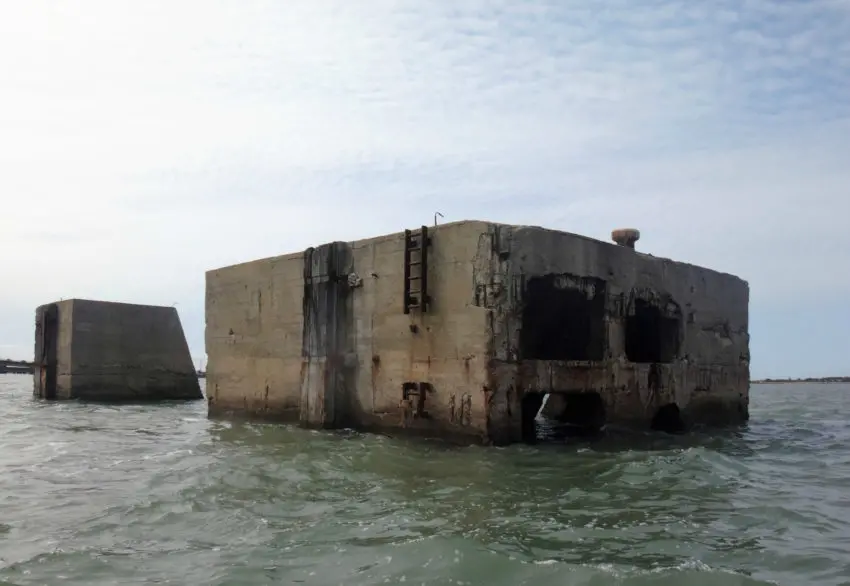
276, 257
640, 252
458, 223
106, 301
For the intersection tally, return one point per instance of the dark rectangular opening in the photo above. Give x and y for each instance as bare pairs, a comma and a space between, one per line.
651, 336
563, 318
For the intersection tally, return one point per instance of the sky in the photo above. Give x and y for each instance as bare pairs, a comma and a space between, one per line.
144, 143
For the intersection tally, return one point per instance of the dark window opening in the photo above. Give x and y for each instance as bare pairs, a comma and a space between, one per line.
563, 318
650, 335
668, 419
556, 415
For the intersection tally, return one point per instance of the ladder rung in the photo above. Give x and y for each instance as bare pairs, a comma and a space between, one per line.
413, 263
414, 278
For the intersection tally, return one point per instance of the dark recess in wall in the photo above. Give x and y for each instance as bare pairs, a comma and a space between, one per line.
668, 419
584, 410
651, 336
563, 318
566, 415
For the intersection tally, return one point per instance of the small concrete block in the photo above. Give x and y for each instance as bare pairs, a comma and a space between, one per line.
106, 351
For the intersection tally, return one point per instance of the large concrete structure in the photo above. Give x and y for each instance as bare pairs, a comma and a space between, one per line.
461, 330
98, 350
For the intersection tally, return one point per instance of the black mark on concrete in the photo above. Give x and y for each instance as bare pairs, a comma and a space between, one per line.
328, 327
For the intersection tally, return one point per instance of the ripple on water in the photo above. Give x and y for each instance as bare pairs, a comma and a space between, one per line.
105, 495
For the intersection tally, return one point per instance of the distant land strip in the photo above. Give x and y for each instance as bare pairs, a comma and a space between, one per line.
24, 367
16, 367
780, 381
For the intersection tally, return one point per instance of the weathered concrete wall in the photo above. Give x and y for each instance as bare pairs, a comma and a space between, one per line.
346, 363
118, 351
320, 337
704, 323
253, 337
447, 347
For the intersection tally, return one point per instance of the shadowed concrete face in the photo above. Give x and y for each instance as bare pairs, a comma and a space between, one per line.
673, 333
326, 337
104, 351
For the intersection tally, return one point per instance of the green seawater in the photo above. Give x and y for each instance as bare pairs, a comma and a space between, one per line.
95, 495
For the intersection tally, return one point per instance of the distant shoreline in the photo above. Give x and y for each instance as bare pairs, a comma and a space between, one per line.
24, 367
785, 381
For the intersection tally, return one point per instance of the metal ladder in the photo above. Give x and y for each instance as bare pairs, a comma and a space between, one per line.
416, 243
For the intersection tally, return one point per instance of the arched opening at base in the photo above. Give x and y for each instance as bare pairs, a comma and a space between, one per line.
668, 419
564, 414
583, 412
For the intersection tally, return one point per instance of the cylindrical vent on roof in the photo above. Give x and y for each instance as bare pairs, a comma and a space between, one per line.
626, 237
